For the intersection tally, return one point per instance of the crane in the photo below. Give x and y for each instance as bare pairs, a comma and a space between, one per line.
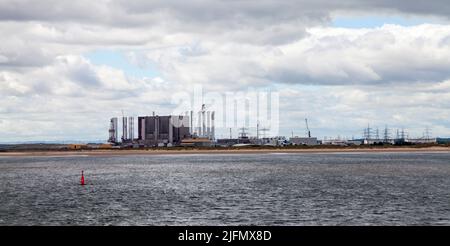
307, 128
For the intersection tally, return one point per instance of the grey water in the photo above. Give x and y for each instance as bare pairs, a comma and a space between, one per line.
228, 189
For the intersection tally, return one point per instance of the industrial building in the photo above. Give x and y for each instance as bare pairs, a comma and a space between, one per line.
443, 140
205, 124
197, 129
355, 142
274, 141
113, 130
127, 130
163, 130
203, 133
310, 141
336, 142
422, 140
169, 130
227, 142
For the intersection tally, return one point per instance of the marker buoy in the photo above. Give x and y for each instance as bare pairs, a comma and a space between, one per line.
82, 178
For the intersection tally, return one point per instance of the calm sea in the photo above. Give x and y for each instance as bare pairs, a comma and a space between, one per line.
247, 189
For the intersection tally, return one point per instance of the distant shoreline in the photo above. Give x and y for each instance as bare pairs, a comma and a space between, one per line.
170, 151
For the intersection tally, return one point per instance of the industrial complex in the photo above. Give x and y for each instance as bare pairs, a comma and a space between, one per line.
198, 129
165, 131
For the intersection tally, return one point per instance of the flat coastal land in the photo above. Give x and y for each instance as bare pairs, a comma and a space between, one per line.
174, 151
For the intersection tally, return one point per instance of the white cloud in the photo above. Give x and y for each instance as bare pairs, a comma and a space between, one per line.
340, 78
386, 55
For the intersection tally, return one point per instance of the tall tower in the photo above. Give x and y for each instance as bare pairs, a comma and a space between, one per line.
213, 128
257, 130
131, 128
124, 129
243, 138
427, 134
113, 130
368, 133
264, 130
386, 134
191, 125
208, 124
199, 124
203, 121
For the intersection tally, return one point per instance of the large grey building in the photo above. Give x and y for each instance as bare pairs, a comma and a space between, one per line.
163, 130
310, 141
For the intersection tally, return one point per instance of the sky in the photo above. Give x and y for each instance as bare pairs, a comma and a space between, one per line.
67, 67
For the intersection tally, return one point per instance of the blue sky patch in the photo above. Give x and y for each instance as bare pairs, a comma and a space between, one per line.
117, 59
376, 21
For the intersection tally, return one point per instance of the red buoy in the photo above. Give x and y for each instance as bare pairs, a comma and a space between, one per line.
82, 178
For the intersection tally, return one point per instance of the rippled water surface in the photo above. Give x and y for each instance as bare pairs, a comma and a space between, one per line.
249, 189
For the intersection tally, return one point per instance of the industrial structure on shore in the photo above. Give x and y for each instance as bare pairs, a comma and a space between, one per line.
165, 131
191, 130
198, 129
162, 130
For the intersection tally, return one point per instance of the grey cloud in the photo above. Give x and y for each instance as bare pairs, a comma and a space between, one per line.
434, 7
204, 11
20, 53
266, 22
52, 10
85, 76
381, 56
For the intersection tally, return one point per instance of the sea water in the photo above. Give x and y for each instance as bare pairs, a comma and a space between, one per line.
227, 189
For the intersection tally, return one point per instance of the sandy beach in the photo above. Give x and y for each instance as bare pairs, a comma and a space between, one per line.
121, 152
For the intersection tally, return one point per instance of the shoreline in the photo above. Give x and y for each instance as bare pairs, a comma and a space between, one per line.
125, 152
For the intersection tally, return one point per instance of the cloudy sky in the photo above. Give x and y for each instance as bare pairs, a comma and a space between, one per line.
66, 67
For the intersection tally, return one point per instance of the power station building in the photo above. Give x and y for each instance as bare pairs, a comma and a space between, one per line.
163, 130
168, 130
